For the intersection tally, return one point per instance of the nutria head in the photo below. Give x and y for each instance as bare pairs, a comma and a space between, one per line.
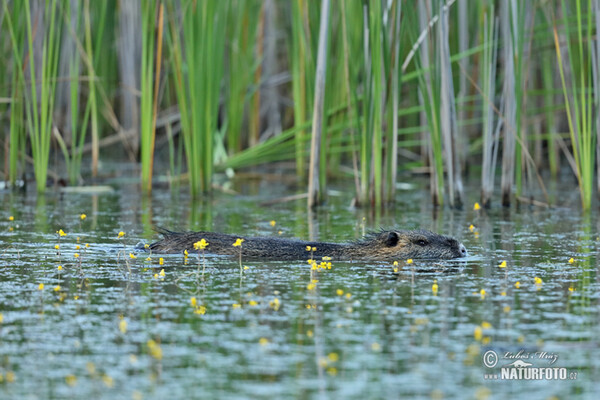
395, 245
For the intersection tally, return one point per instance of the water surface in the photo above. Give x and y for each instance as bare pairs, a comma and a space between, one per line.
111, 326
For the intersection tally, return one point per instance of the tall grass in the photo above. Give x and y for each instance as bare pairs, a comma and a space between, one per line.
579, 100
152, 28
15, 22
39, 96
491, 131
314, 193
302, 63
197, 62
390, 91
243, 18
430, 90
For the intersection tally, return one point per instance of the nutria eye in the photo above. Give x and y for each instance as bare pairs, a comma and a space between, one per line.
422, 242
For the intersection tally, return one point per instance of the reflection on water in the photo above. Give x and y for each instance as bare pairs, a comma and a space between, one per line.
109, 325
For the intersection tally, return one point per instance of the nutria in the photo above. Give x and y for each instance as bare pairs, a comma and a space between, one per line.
386, 245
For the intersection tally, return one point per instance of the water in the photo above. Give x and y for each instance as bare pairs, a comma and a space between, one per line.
361, 331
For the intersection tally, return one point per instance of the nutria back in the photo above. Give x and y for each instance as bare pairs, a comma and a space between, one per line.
386, 245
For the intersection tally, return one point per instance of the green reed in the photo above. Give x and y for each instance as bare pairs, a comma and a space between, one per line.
15, 20
150, 78
80, 122
39, 96
197, 62
579, 99
302, 65
243, 17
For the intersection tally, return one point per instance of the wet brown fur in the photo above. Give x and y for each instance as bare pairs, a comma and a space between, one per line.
386, 245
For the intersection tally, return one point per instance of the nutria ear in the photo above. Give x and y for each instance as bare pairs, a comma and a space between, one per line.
392, 239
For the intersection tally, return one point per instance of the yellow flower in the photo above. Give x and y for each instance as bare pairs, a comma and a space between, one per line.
87, 245
148, 258
476, 206
395, 263
263, 341
200, 245
482, 293
409, 261
123, 326
131, 255
238, 242
507, 309
309, 333
146, 246
236, 305
308, 248
348, 295
517, 284
161, 261
375, 346
434, 288
56, 288
83, 216
471, 228
61, 233
41, 286
162, 273
311, 286
1, 318
154, 349
121, 234
71, 380
77, 247
571, 289
339, 292
486, 325
91, 368
333, 357
246, 267
275, 304
538, 281
185, 253
502, 294
193, 302
76, 255
200, 310
11, 218
571, 260
326, 258
57, 246
252, 303
108, 381
332, 371
477, 333
272, 222
502, 264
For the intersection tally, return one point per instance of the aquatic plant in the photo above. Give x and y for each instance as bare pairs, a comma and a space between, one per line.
238, 243
40, 96
583, 62
150, 81
199, 47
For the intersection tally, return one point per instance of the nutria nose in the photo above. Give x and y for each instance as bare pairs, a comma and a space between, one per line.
462, 250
